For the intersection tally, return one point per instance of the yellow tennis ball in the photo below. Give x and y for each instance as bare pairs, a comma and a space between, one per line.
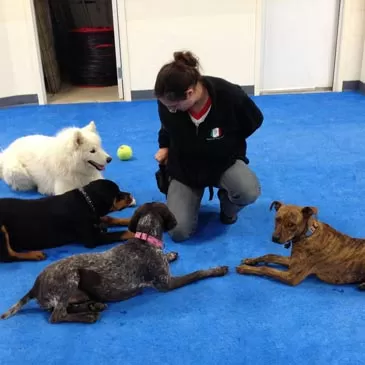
124, 152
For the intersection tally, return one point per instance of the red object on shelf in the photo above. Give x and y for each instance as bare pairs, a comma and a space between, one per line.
92, 30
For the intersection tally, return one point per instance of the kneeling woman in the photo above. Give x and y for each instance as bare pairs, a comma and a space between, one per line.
205, 122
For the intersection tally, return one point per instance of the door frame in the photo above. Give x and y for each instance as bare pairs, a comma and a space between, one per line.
118, 54
260, 30
120, 24
122, 52
41, 85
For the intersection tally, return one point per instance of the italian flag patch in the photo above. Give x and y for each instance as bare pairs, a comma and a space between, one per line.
216, 132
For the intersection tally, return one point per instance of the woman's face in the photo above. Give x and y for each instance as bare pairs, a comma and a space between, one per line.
182, 105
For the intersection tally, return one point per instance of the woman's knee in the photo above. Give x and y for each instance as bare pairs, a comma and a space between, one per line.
181, 233
184, 203
184, 229
247, 195
241, 184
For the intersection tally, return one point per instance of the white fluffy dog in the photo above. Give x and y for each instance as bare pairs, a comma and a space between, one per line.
54, 164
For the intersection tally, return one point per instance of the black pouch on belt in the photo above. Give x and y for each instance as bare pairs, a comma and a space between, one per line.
162, 179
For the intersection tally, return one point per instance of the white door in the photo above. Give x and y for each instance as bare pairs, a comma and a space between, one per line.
118, 52
299, 44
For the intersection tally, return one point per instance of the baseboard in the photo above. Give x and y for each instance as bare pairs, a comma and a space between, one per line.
19, 100
149, 95
249, 89
142, 95
136, 95
350, 85
362, 87
355, 85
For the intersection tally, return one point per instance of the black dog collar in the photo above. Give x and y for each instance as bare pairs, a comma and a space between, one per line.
99, 225
308, 233
88, 200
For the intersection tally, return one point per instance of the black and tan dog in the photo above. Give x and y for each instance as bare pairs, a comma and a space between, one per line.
77, 216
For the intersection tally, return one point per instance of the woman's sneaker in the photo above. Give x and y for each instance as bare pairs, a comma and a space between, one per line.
222, 194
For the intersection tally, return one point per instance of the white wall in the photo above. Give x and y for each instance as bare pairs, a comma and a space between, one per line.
362, 75
7, 83
220, 33
350, 50
18, 60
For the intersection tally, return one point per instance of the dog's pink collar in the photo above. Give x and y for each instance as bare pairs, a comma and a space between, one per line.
150, 239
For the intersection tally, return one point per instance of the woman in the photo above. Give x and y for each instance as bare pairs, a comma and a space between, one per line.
205, 122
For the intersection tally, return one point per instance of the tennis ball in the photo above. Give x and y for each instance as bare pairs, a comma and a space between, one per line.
124, 152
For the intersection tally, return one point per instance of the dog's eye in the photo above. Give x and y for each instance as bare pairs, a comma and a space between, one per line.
93, 150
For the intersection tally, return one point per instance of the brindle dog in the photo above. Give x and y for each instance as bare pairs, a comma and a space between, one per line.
317, 249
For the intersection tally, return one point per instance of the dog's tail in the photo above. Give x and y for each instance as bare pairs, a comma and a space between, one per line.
17, 306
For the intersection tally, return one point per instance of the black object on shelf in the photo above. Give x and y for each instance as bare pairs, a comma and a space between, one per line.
91, 58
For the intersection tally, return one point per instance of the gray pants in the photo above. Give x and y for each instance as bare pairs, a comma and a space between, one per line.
240, 188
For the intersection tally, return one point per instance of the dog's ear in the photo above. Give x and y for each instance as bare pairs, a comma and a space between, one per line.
169, 219
78, 138
276, 204
91, 126
309, 211
132, 226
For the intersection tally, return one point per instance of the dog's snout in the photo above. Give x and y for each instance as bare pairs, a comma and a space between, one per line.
125, 196
108, 159
275, 238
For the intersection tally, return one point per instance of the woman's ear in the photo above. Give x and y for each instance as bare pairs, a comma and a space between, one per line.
189, 92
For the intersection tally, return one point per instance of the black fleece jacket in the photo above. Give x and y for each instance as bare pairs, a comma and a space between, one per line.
199, 155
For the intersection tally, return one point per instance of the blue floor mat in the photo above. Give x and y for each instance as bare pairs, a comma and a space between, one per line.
309, 151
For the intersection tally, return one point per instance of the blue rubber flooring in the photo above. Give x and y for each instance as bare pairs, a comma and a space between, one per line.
309, 151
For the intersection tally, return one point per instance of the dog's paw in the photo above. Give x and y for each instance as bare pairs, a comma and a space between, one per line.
240, 269
250, 262
38, 255
97, 307
172, 256
92, 317
220, 270
244, 269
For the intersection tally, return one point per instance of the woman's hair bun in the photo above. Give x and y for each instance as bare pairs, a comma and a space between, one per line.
187, 58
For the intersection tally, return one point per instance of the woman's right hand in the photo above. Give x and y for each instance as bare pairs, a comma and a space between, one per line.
161, 155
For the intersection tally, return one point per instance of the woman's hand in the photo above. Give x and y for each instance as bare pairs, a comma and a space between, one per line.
161, 155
